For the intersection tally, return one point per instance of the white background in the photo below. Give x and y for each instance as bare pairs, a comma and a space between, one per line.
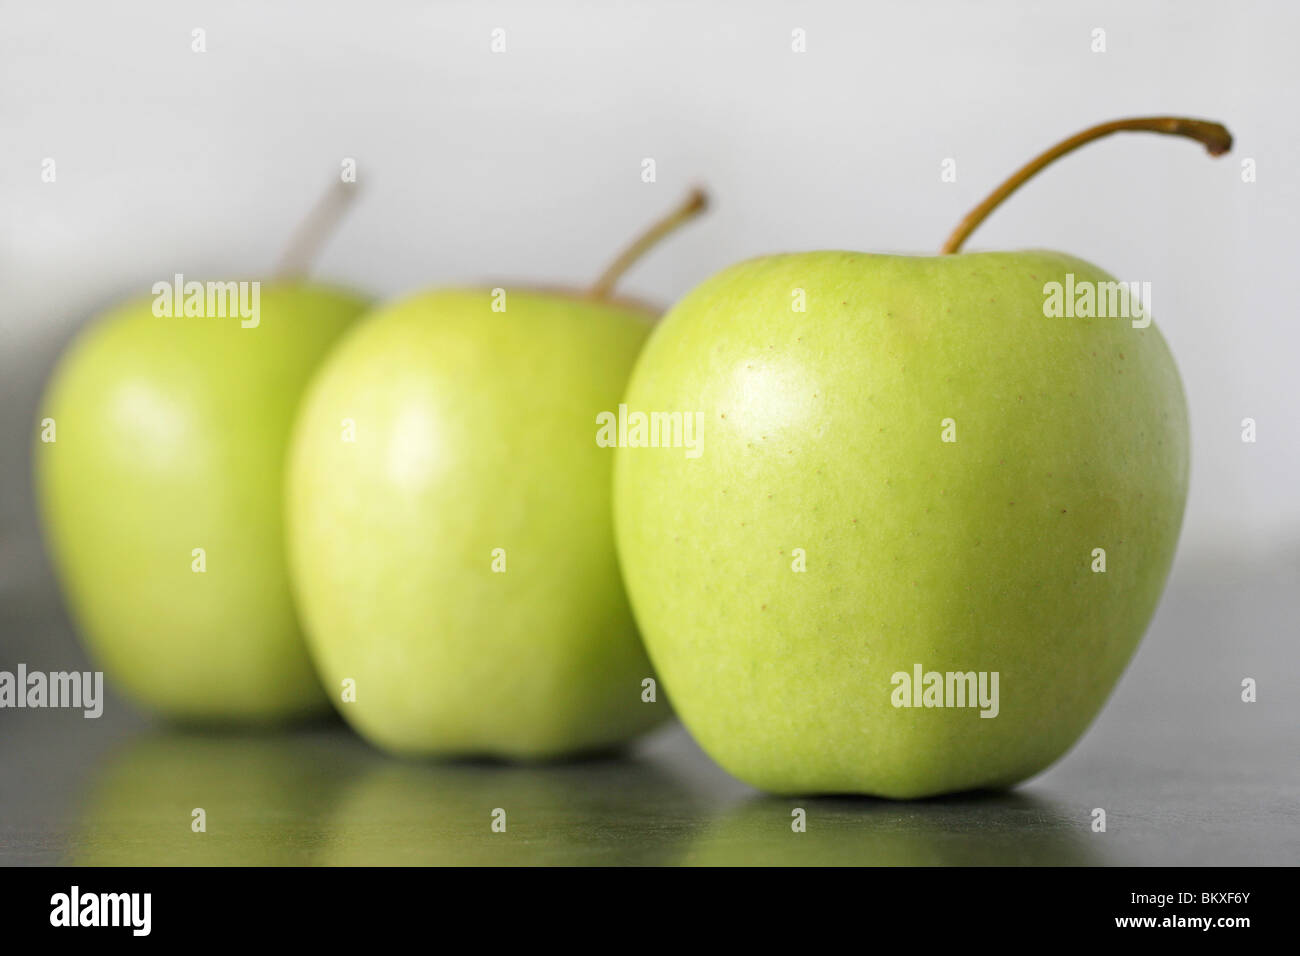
526, 165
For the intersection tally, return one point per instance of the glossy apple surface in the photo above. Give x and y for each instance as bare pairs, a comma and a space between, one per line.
823, 431
450, 531
170, 435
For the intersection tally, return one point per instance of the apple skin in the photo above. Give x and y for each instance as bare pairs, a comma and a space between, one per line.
822, 431
475, 430
170, 436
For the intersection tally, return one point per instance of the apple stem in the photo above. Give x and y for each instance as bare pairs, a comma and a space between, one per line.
694, 204
312, 233
1214, 136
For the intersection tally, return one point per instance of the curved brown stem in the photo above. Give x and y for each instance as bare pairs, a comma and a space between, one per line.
694, 204
1216, 138
312, 232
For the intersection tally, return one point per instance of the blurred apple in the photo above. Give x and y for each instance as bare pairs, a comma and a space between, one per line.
162, 504
159, 466
449, 523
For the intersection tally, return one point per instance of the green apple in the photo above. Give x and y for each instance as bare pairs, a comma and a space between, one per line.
905, 468
449, 523
159, 468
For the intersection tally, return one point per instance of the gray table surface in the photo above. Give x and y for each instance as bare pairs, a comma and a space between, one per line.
1187, 773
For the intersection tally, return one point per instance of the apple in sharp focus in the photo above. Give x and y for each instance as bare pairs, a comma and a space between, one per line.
912, 482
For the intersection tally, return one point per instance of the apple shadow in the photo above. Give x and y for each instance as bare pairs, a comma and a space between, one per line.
328, 719
978, 828
264, 797
470, 812
612, 753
